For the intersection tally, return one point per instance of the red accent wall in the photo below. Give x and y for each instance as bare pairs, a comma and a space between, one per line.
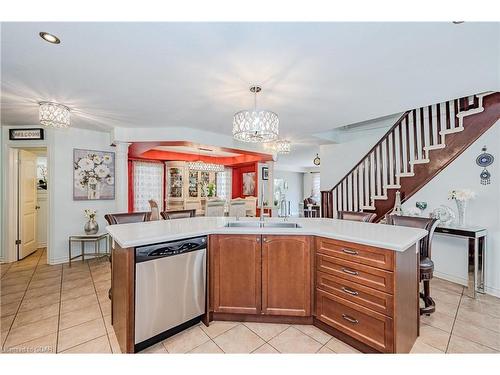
237, 182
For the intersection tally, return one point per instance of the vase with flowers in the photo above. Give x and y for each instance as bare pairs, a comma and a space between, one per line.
461, 197
91, 226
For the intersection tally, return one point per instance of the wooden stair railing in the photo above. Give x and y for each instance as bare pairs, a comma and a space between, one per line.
401, 159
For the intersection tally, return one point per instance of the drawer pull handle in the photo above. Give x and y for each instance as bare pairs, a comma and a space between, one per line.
349, 319
349, 291
350, 272
349, 251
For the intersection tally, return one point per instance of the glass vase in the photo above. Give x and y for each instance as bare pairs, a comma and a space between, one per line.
461, 206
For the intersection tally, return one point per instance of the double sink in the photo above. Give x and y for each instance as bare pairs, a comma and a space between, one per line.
261, 224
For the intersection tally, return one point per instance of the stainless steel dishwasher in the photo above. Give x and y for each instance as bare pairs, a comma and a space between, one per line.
170, 285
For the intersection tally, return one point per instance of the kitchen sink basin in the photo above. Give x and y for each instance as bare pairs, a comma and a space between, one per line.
259, 224
244, 224
281, 225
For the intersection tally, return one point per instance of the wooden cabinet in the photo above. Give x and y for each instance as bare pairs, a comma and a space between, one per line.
286, 275
368, 294
262, 275
236, 273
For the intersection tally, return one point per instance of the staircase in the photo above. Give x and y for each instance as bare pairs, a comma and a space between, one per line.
416, 148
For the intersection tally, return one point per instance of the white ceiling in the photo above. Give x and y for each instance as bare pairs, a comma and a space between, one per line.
316, 76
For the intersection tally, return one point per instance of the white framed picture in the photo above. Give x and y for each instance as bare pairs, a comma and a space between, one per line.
93, 175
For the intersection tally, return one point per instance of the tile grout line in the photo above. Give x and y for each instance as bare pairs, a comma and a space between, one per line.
20, 302
60, 307
100, 308
454, 320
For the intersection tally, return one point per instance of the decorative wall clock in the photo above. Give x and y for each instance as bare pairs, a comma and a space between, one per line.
317, 160
485, 160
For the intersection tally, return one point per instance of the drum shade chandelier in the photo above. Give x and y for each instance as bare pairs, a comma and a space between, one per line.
255, 125
282, 146
54, 115
205, 167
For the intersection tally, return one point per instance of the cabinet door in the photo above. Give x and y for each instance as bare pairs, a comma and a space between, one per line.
286, 275
236, 273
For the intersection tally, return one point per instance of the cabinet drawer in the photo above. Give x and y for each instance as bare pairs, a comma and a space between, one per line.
362, 324
352, 252
357, 293
370, 276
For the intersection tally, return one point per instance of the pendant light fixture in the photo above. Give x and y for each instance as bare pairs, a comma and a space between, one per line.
255, 125
54, 115
282, 146
205, 167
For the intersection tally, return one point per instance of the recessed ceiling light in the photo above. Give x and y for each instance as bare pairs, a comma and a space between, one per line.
49, 37
458, 22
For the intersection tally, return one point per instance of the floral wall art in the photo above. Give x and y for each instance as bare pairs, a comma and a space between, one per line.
94, 175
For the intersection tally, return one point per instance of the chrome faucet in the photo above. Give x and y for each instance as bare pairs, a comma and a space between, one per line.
262, 195
284, 210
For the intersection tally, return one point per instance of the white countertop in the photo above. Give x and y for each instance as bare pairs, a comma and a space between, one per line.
379, 235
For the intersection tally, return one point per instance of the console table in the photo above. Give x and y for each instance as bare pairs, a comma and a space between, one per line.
477, 246
95, 239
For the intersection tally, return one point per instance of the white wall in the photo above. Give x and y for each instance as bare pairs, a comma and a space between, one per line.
295, 192
450, 254
338, 159
67, 216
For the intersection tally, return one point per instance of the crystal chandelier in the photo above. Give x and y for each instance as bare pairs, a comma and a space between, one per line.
54, 115
253, 125
282, 146
205, 167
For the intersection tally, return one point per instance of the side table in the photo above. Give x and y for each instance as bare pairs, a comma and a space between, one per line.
95, 239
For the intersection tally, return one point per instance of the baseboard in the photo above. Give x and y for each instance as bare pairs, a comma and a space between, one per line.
495, 292
65, 259
451, 278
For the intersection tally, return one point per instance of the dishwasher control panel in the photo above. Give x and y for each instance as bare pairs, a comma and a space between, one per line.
166, 249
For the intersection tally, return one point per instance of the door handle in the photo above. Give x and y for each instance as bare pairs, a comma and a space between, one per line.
37, 207
350, 272
264, 239
258, 239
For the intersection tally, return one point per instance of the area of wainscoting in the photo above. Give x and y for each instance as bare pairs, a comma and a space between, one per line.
58, 309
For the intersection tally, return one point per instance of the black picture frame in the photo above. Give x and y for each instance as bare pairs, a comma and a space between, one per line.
265, 173
13, 137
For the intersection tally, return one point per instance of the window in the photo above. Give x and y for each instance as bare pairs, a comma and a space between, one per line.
148, 184
223, 183
315, 186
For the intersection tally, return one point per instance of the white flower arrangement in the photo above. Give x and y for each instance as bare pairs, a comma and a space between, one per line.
93, 169
90, 214
462, 195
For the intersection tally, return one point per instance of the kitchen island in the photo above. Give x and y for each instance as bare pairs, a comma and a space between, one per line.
357, 281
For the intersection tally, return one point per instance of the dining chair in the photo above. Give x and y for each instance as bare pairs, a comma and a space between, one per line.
178, 214
237, 208
155, 212
426, 263
250, 206
214, 207
128, 217
366, 217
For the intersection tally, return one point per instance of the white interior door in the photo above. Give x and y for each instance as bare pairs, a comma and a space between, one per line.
27, 203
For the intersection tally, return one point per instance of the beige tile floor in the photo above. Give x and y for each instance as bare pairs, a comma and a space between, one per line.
57, 309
